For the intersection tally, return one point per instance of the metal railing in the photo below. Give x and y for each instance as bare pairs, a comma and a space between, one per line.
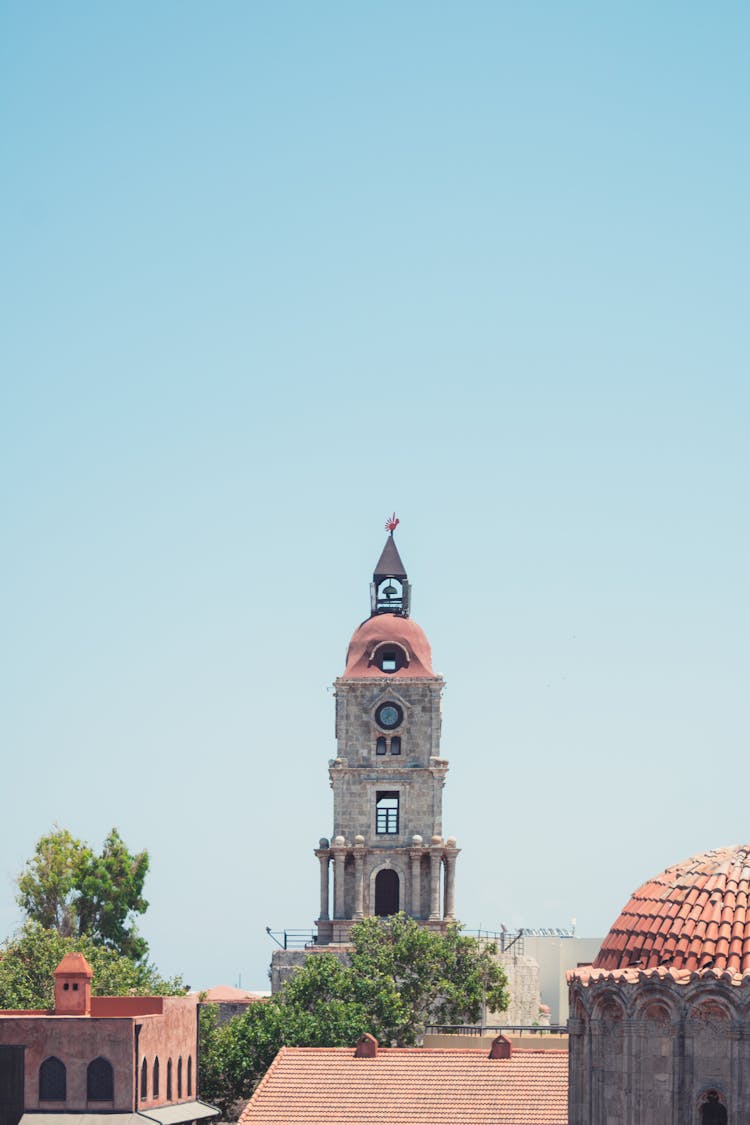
292, 939
506, 940
495, 1029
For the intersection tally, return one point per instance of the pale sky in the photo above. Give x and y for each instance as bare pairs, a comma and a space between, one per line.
271, 270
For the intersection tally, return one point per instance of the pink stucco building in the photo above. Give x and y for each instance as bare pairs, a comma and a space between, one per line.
108, 1057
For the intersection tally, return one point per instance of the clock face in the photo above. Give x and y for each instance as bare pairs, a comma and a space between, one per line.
389, 716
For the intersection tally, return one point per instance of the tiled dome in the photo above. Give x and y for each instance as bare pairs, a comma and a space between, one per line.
693, 916
389, 629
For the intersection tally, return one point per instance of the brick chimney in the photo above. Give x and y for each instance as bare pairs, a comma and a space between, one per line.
73, 986
501, 1048
367, 1047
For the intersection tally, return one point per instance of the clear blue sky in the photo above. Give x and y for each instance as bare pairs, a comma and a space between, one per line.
270, 271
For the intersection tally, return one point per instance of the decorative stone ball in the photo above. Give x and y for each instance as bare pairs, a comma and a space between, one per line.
450, 842
437, 840
359, 840
339, 842
324, 843
416, 840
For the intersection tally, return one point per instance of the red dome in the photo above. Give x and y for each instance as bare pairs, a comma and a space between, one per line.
400, 633
693, 916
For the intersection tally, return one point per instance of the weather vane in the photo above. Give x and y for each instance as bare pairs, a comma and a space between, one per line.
392, 523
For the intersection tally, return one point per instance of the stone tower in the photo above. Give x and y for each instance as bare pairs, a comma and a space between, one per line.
387, 851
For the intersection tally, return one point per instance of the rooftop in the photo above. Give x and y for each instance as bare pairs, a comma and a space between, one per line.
331, 1086
692, 917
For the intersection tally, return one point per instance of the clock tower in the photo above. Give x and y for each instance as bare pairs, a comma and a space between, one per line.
387, 852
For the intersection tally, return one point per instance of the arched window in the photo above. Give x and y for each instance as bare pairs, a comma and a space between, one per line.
144, 1081
396, 744
169, 1080
155, 1079
190, 1076
100, 1081
179, 1077
380, 746
386, 892
52, 1080
713, 1112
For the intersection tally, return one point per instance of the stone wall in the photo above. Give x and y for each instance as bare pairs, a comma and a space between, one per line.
651, 1047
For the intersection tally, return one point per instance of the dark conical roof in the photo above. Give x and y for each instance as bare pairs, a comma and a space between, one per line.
389, 562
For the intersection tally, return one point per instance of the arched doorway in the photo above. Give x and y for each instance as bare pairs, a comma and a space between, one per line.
386, 892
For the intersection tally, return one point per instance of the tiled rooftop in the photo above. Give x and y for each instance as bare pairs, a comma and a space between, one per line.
330, 1086
694, 916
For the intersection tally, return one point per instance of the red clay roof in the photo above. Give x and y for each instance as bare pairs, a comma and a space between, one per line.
693, 916
329, 1086
388, 628
74, 963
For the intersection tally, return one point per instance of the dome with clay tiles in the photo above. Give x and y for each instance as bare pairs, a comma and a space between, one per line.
694, 915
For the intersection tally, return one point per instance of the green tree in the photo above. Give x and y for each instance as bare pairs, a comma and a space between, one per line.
28, 961
400, 978
48, 885
66, 886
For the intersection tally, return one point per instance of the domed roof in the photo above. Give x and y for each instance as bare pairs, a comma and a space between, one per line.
695, 915
389, 629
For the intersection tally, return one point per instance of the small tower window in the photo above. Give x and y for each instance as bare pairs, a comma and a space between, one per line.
169, 1080
386, 814
144, 1081
179, 1077
155, 1079
190, 1077
396, 744
380, 746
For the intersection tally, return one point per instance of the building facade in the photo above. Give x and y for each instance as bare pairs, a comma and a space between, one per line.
387, 852
659, 1028
105, 1057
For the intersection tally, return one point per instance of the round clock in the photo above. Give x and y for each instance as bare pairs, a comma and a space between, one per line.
389, 716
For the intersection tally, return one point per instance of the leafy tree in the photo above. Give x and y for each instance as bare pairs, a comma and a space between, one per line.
48, 884
66, 886
28, 961
400, 977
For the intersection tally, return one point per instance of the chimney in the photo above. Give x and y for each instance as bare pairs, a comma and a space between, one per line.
367, 1047
73, 986
501, 1048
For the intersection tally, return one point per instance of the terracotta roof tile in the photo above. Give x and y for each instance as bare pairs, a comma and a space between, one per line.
329, 1086
693, 914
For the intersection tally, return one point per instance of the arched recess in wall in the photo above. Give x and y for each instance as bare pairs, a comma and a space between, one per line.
100, 1081
712, 1108
387, 892
52, 1080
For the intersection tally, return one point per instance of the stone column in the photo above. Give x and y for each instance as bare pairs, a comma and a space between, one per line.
436, 862
415, 854
325, 857
339, 858
359, 877
449, 905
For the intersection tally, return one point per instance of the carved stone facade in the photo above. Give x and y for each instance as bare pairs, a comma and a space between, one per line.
659, 1047
660, 1023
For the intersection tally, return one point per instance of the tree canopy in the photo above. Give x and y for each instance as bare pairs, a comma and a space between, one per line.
28, 961
400, 978
67, 887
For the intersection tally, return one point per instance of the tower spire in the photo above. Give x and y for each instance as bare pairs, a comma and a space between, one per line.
390, 590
